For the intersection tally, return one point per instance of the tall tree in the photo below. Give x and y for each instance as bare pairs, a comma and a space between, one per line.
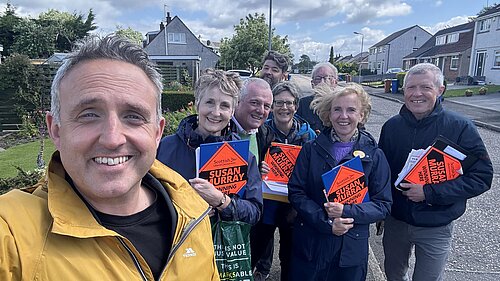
332, 55
249, 43
53, 31
132, 35
8, 20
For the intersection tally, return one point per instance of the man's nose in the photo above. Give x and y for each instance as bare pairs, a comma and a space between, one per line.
112, 133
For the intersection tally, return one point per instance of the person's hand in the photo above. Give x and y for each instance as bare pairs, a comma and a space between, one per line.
415, 192
207, 191
334, 209
264, 168
340, 226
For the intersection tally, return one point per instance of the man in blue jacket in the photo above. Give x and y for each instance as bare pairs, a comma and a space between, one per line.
423, 215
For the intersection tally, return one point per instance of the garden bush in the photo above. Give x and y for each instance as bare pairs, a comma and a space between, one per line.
175, 101
23, 179
173, 118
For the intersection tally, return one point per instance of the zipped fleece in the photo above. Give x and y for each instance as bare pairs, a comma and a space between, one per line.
50, 234
446, 201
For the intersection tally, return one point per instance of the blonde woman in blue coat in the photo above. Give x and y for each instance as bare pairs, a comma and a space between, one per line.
330, 240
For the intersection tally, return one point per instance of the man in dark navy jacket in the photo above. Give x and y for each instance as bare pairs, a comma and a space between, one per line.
422, 217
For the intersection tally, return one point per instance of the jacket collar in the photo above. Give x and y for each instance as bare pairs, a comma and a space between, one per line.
410, 118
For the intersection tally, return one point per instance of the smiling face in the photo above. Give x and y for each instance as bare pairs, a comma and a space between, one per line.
421, 93
108, 131
284, 108
272, 73
253, 110
324, 75
345, 115
214, 112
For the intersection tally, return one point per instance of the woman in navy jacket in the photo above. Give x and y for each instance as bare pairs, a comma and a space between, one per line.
216, 96
330, 240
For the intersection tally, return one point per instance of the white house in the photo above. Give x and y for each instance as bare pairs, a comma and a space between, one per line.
485, 61
389, 52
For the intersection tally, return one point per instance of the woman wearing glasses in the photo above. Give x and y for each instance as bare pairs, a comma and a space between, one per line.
290, 129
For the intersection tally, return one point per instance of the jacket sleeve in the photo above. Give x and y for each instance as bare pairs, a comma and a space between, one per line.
379, 188
298, 189
10, 266
249, 208
476, 180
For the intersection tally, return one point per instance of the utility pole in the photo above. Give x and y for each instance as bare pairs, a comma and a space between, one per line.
360, 55
270, 18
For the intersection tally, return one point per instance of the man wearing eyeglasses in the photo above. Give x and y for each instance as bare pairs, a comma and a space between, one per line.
323, 72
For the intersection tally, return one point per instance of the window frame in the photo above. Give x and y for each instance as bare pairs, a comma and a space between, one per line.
176, 38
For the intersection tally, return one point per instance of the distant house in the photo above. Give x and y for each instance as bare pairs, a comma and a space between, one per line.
361, 58
485, 62
449, 49
389, 52
175, 45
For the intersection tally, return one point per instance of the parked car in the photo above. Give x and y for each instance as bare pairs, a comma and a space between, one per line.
394, 70
244, 74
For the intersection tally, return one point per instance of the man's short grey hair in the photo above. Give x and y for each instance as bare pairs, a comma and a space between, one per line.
110, 47
257, 82
327, 65
423, 68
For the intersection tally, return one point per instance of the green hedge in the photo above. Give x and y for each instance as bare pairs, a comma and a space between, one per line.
176, 101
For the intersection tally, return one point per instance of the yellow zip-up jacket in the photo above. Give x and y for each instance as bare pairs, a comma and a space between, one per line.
50, 234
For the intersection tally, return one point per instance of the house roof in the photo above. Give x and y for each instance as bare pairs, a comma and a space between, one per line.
395, 35
492, 10
429, 49
361, 57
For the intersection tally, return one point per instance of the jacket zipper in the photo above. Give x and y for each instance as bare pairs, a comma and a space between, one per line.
134, 258
186, 232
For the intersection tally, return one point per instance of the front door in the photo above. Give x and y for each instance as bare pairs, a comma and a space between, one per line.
480, 56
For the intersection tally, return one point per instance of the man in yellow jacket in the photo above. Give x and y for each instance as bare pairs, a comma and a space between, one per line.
107, 210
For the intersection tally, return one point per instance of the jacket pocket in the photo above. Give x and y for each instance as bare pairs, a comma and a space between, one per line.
354, 248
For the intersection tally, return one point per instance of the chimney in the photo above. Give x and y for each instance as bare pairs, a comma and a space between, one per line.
169, 19
162, 26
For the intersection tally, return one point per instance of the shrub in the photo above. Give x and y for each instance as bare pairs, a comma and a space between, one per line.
173, 118
468, 92
401, 77
23, 179
173, 102
483, 90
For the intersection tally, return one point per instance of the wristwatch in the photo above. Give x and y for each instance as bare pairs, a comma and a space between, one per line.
222, 200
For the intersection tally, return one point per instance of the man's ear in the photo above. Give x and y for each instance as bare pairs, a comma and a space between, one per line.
53, 129
161, 127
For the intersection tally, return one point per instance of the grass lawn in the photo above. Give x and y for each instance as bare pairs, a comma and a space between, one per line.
23, 156
475, 89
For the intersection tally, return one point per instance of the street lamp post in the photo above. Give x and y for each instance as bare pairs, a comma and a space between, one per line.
360, 54
270, 17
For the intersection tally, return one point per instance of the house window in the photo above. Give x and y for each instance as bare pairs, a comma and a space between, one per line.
440, 40
496, 62
454, 63
484, 25
452, 38
177, 38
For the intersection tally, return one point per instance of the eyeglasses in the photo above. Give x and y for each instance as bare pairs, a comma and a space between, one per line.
280, 103
327, 78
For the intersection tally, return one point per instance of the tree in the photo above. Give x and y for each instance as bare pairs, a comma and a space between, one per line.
8, 21
53, 31
249, 43
332, 56
129, 33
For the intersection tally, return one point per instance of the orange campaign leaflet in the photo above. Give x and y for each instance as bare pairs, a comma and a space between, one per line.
224, 164
281, 159
346, 183
443, 161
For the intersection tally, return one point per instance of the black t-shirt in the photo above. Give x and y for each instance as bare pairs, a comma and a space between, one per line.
150, 231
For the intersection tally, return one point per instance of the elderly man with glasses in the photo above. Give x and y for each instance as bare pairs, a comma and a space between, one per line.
325, 73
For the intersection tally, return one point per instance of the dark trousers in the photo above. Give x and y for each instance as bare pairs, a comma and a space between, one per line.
262, 246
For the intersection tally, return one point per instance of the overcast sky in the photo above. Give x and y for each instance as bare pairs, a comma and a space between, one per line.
312, 26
